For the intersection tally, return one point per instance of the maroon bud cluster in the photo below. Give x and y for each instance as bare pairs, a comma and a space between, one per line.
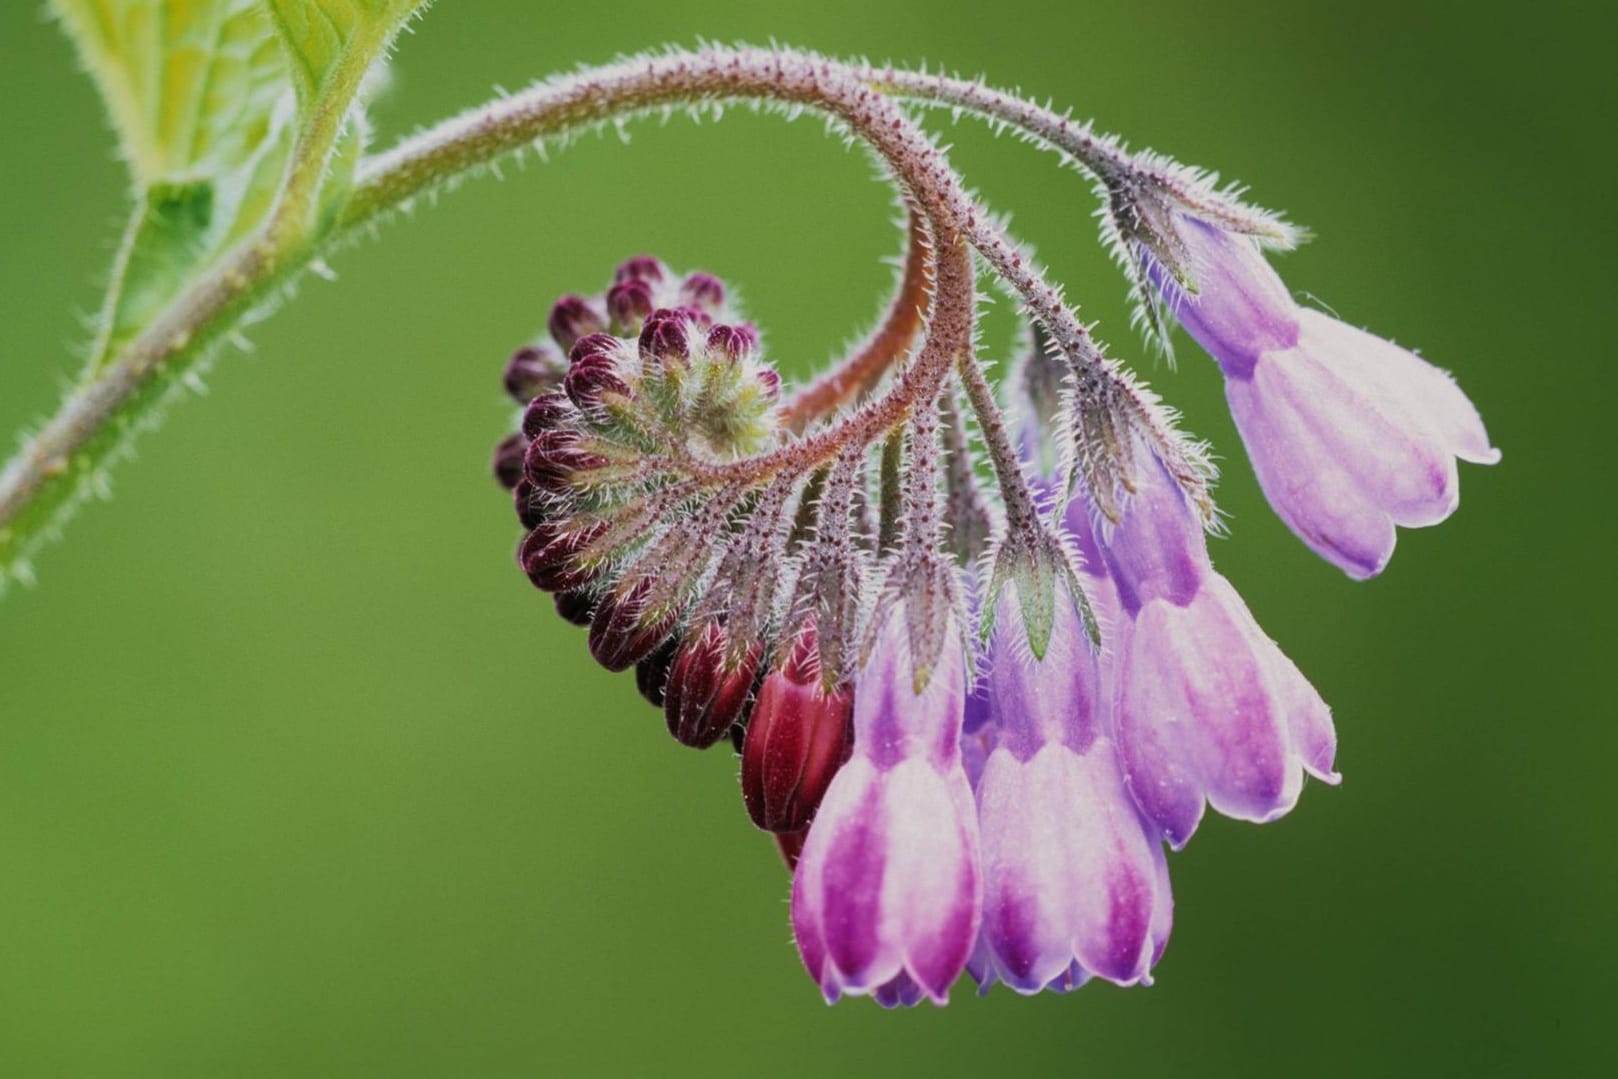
798, 737
632, 381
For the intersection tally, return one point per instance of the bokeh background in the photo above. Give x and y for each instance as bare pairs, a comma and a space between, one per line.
299, 777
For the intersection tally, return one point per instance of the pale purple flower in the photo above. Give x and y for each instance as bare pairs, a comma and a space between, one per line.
1349, 434
1075, 881
1208, 709
887, 895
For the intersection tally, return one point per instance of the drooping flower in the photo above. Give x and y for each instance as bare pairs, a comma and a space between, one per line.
1349, 434
887, 897
1075, 880
1209, 710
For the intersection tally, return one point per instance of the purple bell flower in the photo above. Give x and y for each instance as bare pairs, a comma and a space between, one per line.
1208, 709
1075, 880
1349, 434
886, 898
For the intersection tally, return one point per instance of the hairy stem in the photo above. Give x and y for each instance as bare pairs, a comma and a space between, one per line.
55, 467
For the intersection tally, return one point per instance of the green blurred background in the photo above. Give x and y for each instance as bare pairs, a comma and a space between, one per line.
298, 776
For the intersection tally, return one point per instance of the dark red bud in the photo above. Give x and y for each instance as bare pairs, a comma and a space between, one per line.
640, 268
770, 379
621, 634
532, 370
508, 458
790, 844
548, 412
533, 505
572, 318
652, 673
576, 607
592, 377
708, 692
553, 459
703, 290
549, 556
797, 739
733, 342
664, 337
628, 304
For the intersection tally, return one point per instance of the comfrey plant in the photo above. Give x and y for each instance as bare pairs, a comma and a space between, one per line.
968, 640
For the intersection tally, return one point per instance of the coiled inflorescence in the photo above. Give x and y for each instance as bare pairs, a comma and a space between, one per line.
803, 574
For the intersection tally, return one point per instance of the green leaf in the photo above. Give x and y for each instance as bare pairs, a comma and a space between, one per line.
201, 99
191, 85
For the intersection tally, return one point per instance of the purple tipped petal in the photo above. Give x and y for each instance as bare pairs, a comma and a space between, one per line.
1349, 434
1347, 442
1203, 715
887, 886
1074, 878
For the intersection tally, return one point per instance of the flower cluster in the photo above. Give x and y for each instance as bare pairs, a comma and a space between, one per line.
803, 577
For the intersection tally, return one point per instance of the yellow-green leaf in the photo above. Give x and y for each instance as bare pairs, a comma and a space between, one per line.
192, 85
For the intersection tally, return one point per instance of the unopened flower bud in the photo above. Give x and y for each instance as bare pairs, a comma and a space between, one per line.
576, 607
664, 337
549, 555
797, 738
770, 379
592, 377
652, 673
548, 412
703, 290
532, 370
624, 632
553, 458
532, 504
508, 461
640, 268
708, 688
572, 318
732, 342
628, 304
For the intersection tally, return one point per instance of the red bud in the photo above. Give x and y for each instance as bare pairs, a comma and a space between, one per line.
797, 739
663, 338
620, 634
548, 555
576, 607
703, 290
553, 458
708, 691
508, 458
628, 304
532, 370
572, 318
640, 268
548, 412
